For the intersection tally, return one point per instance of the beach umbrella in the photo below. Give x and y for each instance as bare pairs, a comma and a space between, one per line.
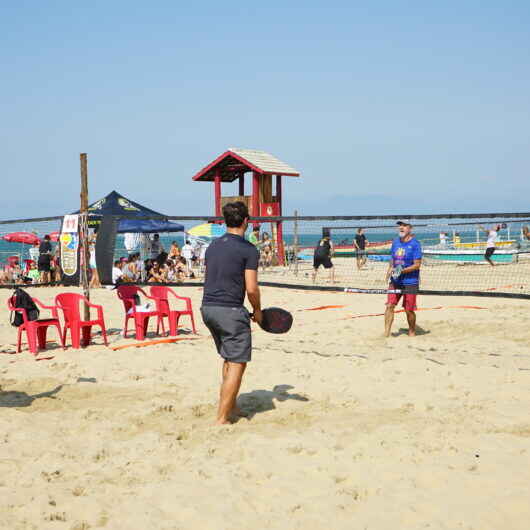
207, 230
54, 236
21, 237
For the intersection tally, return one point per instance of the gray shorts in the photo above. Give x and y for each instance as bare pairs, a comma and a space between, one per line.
230, 329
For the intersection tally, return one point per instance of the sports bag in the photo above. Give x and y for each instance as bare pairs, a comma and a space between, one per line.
22, 300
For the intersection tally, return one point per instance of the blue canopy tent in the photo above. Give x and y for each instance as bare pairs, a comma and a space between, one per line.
116, 204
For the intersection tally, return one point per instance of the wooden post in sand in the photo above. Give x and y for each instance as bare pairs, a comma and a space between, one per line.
295, 242
84, 231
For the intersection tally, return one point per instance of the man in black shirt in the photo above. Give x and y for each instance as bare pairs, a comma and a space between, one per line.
45, 258
360, 245
231, 271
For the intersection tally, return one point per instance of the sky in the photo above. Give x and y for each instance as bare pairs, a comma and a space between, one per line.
384, 107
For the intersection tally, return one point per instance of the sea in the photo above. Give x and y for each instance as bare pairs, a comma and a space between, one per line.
304, 240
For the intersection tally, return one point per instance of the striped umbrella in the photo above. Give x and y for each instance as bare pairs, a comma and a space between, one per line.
207, 230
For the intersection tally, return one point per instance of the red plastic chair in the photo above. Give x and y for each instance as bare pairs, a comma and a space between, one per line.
80, 330
126, 293
36, 330
161, 295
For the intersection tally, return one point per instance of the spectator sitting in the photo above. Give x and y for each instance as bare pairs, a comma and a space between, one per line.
157, 274
117, 274
33, 273
129, 270
140, 268
174, 251
162, 258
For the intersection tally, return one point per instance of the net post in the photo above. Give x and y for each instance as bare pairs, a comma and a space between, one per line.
295, 242
84, 231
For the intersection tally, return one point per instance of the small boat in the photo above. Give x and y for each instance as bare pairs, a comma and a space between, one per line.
482, 244
349, 251
470, 255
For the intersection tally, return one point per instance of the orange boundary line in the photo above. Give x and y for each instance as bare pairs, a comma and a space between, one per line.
419, 309
153, 342
320, 308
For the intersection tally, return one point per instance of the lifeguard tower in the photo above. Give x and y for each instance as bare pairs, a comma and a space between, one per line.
232, 165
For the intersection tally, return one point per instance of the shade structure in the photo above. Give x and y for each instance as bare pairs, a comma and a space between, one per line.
116, 204
207, 230
22, 237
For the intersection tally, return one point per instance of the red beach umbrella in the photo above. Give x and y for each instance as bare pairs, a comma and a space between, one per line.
21, 237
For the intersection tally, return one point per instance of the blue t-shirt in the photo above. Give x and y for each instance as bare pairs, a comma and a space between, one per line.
404, 254
226, 260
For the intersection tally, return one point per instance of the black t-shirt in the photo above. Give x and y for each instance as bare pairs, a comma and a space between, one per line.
45, 247
44, 252
361, 241
323, 250
226, 260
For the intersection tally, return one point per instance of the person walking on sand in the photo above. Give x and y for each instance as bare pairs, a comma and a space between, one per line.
231, 272
404, 274
360, 246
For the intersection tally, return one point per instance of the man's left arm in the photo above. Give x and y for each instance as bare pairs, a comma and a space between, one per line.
414, 267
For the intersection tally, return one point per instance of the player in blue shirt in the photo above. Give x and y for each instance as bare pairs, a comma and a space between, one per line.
404, 274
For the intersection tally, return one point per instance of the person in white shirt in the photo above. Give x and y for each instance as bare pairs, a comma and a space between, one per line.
187, 254
140, 267
131, 241
34, 252
443, 239
117, 273
156, 247
490, 243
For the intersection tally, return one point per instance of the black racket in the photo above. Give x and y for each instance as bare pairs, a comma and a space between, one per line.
276, 320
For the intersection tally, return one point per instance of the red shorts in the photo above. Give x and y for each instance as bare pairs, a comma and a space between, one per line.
409, 300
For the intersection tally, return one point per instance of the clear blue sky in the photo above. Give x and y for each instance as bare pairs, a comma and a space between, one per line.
383, 106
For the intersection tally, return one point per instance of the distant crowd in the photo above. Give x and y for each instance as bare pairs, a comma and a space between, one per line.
175, 266
43, 266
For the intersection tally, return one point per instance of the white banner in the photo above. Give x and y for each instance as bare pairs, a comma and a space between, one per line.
70, 224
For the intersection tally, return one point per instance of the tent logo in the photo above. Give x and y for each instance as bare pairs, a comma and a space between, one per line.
98, 205
126, 205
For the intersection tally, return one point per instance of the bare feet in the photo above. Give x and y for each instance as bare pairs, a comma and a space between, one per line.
223, 421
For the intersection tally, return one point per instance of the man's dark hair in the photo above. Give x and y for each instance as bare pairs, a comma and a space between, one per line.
46, 237
235, 214
156, 236
117, 262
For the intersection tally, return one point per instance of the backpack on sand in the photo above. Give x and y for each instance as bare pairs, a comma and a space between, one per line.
22, 300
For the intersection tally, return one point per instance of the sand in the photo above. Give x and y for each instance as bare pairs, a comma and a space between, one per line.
347, 430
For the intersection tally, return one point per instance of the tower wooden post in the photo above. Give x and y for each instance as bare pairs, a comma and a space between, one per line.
255, 196
218, 193
279, 224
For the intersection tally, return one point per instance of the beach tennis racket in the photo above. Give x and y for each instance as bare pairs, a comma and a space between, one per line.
276, 320
396, 271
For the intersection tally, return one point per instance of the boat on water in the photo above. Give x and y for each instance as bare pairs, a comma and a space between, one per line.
471, 255
482, 244
349, 251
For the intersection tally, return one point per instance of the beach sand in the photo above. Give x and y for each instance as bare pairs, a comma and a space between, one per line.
347, 429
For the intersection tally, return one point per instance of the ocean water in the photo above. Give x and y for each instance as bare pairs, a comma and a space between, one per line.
305, 239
